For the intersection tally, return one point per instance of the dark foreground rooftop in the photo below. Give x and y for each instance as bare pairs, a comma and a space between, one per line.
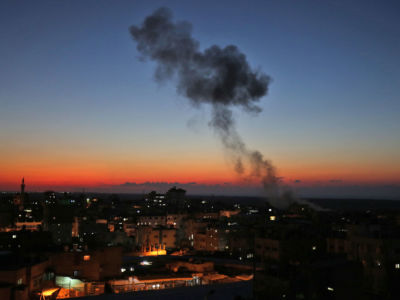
228, 291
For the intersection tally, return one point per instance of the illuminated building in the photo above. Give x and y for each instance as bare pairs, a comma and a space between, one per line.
211, 239
72, 287
129, 229
153, 220
157, 238
151, 250
176, 220
30, 226
75, 227
143, 283
229, 213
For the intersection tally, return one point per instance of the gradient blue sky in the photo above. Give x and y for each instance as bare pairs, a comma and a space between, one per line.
78, 108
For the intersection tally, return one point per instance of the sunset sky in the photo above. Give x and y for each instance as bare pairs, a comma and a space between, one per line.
79, 109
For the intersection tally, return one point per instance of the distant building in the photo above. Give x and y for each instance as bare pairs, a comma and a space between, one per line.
229, 213
90, 265
152, 220
175, 220
23, 241
30, 226
212, 239
176, 196
50, 198
155, 200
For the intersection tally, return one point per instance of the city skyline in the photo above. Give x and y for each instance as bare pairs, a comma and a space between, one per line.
79, 110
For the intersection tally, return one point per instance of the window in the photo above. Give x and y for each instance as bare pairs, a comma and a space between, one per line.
19, 281
48, 276
86, 257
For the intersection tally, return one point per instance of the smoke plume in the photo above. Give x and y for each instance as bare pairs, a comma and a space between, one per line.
217, 76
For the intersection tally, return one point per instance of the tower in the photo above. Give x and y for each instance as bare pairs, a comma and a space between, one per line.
23, 186
23, 191
19, 199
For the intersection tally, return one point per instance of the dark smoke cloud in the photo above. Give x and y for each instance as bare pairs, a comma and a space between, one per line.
217, 76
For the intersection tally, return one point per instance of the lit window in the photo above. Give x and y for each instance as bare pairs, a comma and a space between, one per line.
14, 236
86, 257
397, 266
272, 218
19, 281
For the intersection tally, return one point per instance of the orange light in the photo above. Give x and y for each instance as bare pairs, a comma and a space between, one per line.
154, 253
86, 257
49, 292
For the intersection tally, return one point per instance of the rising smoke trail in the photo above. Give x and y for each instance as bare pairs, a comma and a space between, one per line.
217, 76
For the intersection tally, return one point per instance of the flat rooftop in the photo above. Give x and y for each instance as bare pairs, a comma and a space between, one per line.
228, 291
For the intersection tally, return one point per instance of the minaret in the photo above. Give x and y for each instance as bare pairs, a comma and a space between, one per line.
20, 199
23, 186
23, 191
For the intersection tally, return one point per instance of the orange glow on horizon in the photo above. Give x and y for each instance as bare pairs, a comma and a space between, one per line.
65, 182
42, 175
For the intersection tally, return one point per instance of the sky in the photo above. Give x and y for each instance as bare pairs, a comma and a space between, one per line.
80, 110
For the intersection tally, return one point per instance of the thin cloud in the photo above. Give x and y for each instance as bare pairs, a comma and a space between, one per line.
336, 181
